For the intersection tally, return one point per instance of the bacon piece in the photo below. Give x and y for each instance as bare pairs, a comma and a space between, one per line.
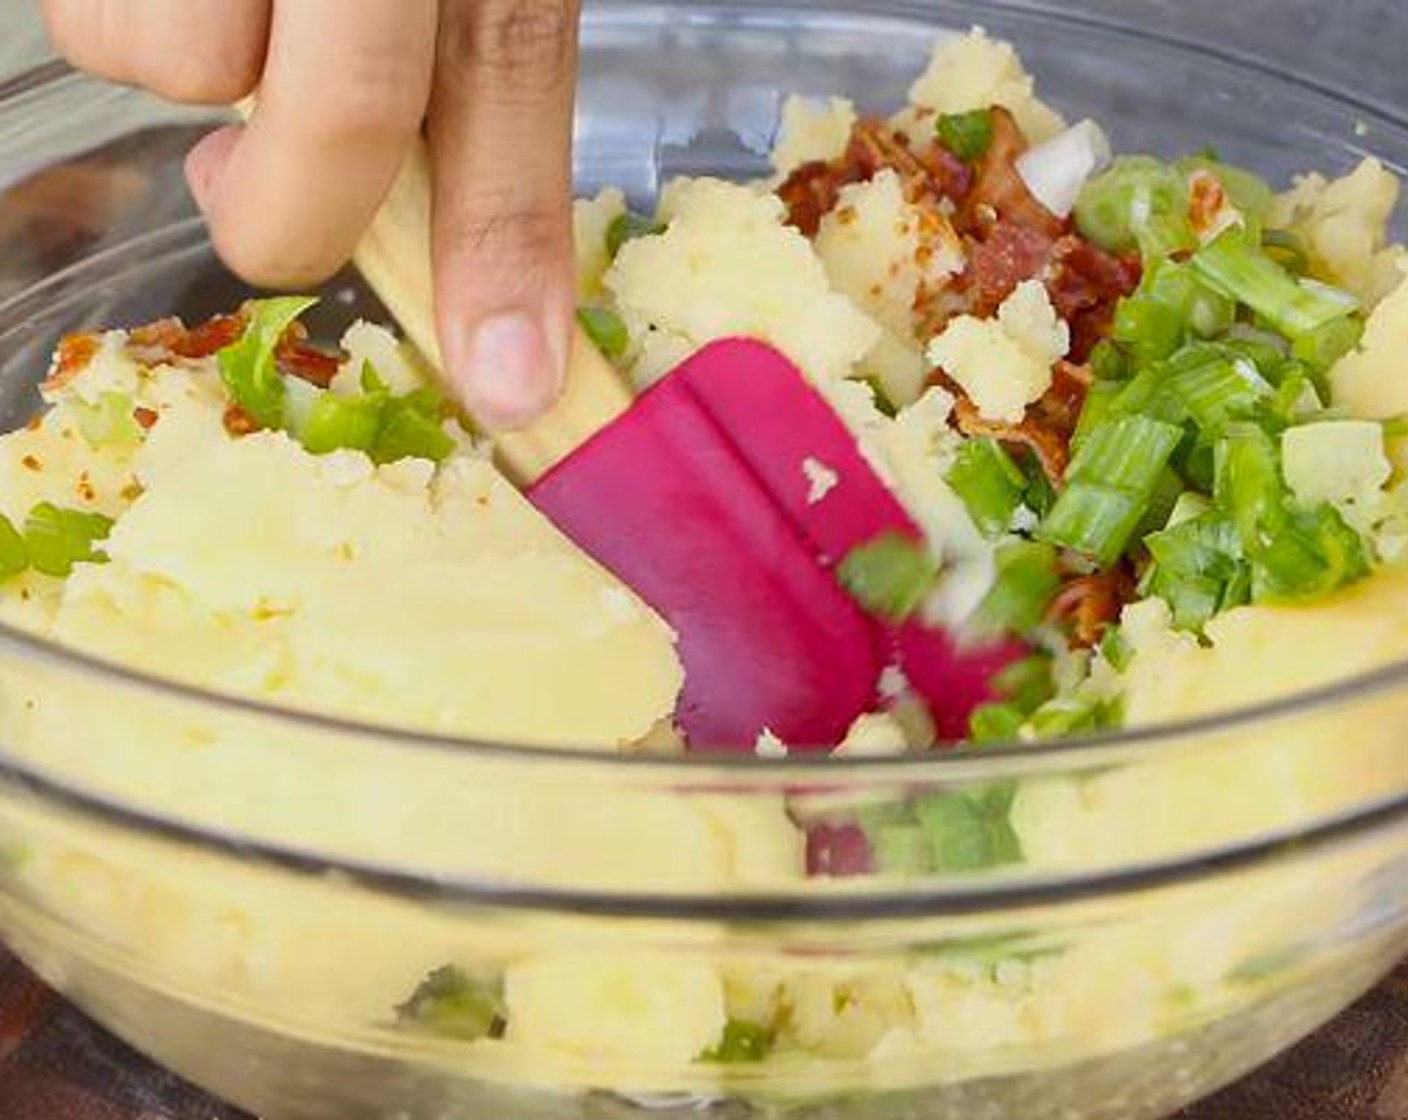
74, 353
238, 422
1089, 605
169, 339
1086, 284
999, 192
299, 358
929, 174
1048, 425
1209, 202
146, 417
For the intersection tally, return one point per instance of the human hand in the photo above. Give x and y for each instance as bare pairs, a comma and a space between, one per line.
345, 87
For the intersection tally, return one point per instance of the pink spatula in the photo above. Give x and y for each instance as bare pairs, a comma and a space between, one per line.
695, 496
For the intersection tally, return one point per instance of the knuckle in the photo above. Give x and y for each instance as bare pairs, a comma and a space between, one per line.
83, 34
507, 237
283, 268
528, 42
213, 77
378, 91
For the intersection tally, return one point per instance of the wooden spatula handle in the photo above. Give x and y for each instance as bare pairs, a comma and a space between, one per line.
394, 258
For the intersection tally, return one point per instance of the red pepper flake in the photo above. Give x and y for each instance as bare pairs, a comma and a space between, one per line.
75, 353
238, 422
146, 417
32, 463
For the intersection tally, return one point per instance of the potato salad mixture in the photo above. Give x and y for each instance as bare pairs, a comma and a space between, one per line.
1149, 413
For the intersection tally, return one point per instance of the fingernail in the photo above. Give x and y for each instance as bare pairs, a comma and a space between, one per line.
206, 160
509, 374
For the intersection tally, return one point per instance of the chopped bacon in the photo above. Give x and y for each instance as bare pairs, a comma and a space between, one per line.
929, 174
999, 192
238, 422
1086, 283
1209, 202
297, 357
75, 352
169, 339
1088, 605
1008, 255
1047, 427
146, 417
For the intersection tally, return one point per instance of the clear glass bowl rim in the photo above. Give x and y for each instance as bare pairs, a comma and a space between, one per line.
955, 763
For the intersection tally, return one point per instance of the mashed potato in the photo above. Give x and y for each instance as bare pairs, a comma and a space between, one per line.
433, 597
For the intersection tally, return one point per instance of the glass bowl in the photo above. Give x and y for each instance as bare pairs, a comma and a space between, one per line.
1149, 916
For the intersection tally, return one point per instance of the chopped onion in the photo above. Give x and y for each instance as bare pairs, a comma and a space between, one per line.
1056, 171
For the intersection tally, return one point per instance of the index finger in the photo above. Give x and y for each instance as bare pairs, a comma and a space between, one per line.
344, 94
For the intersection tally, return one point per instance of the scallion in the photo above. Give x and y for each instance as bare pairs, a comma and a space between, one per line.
990, 484
1026, 583
966, 135
55, 539
606, 329
628, 227
890, 576
249, 367
14, 553
1239, 270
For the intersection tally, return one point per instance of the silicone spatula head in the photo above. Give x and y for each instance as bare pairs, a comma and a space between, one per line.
661, 492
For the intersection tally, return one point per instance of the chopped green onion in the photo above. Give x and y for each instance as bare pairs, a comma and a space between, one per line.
1128, 453
412, 427
966, 135
1027, 581
14, 553
970, 831
1247, 482
453, 1004
1286, 249
1116, 650
996, 723
1138, 202
109, 422
1313, 554
990, 484
1243, 272
890, 576
742, 1043
1152, 329
1321, 348
249, 367
1028, 683
900, 849
628, 227
1112, 482
1218, 391
1107, 361
1148, 393
335, 422
1099, 400
883, 404
1201, 310
1040, 495
56, 539
606, 329
1073, 715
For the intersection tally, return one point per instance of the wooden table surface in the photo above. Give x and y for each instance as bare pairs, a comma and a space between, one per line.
56, 1065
